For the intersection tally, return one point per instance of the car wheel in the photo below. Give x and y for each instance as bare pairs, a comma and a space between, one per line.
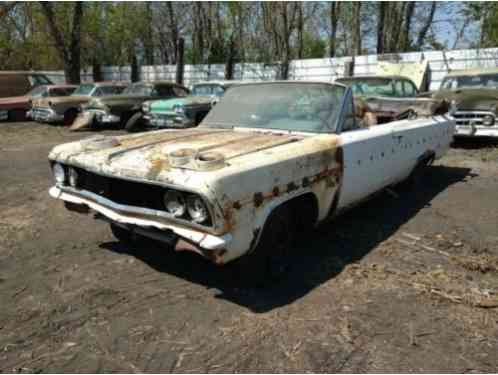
135, 122
70, 116
269, 261
17, 115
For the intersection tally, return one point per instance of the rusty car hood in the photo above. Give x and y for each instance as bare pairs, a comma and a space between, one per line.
478, 99
137, 153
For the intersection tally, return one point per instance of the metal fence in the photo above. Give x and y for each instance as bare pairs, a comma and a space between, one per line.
440, 63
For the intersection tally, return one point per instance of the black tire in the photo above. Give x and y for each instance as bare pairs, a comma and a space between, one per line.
70, 116
121, 234
16, 115
134, 123
269, 261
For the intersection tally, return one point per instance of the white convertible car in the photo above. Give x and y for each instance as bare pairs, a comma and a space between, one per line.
268, 159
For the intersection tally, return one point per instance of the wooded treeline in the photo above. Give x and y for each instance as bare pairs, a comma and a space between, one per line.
72, 35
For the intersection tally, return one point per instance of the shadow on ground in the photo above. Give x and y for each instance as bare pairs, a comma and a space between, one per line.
474, 143
317, 258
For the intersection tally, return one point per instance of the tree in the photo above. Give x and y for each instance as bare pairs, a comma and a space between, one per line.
68, 46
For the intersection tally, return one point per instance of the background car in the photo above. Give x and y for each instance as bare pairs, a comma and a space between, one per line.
17, 108
19, 83
65, 108
474, 93
185, 112
126, 108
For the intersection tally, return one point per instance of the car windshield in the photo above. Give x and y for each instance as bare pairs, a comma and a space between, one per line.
303, 107
38, 91
371, 86
208, 90
138, 89
84, 90
483, 80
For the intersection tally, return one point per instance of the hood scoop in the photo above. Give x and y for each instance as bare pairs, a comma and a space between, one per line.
189, 158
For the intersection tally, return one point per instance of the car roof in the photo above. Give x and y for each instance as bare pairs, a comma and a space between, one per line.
21, 72
472, 72
364, 77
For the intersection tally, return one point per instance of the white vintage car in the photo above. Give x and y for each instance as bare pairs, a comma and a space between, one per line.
268, 158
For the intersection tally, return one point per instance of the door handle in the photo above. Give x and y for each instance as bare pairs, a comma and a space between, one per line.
398, 137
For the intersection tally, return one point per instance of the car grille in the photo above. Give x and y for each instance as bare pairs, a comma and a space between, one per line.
471, 117
121, 191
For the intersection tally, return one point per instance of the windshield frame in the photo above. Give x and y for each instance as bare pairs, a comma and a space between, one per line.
329, 128
90, 93
137, 84
457, 78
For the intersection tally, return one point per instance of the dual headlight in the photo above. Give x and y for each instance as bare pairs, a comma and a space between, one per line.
64, 175
184, 205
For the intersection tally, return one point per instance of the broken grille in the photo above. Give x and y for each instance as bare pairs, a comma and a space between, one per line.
472, 117
121, 191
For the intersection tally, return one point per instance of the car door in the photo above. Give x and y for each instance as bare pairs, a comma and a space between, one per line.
369, 155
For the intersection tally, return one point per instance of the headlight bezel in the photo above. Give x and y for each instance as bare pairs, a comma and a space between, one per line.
491, 121
59, 174
175, 195
146, 107
187, 213
194, 202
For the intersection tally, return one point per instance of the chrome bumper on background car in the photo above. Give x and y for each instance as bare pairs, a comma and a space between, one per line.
4, 115
476, 123
165, 120
44, 115
104, 117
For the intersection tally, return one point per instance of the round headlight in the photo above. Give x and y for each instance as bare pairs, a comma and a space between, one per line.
174, 202
488, 120
197, 209
73, 177
59, 174
146, 107
178, 109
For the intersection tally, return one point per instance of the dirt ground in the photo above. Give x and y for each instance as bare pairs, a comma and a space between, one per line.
407, 282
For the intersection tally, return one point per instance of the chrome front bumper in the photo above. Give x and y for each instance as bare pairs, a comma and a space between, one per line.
471, 124
141, 218
166, 120
44, 115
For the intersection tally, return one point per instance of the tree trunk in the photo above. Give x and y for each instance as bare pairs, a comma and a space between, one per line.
135, 72
300, 28
334, 18
425, 28
381, 26
179, 62
149, 41
405, 41
356, 32
69, 52
230, 59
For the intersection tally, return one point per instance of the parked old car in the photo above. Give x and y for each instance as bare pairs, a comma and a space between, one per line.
267, 159
474, 93
13, 83
188, 111
126, 109
16, 108
381, 99
64, 109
